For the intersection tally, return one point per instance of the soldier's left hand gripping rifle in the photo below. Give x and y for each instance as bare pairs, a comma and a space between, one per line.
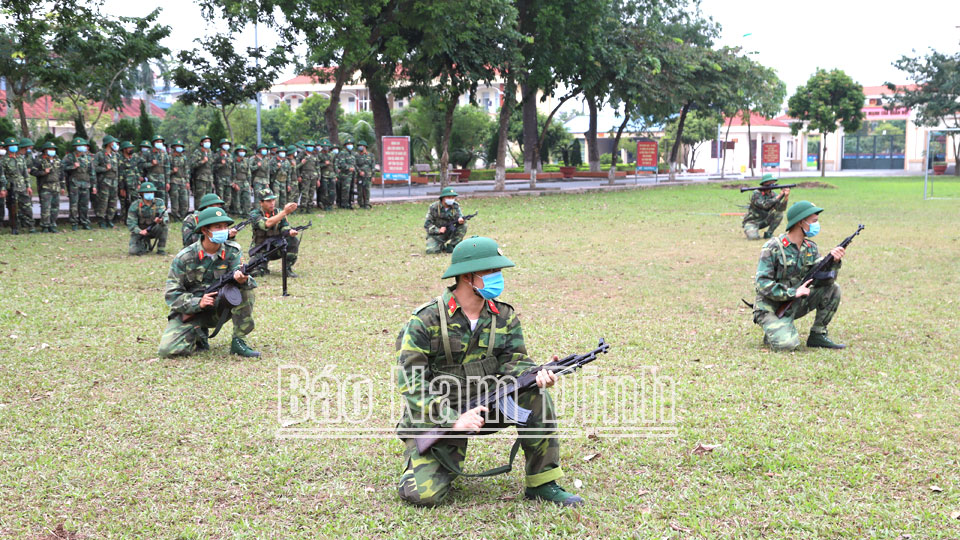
454, 223
503, 396
154, 230
227, 288
282, 244
820, 271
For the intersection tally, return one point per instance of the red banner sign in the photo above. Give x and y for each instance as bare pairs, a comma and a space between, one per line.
647, 156
770, 154
395, 161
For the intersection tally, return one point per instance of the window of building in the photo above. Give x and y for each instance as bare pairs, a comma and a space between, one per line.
713, 149
789, 149
364, 101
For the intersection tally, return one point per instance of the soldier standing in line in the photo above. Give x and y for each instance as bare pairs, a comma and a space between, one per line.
327, 194
79, 171
15, 183
49, 174
346, 166
201, 170
107, 165
179, 186
240, 203
765, 210
129, 174
156, 165
259, 166
365, 167
223, 172
308, 178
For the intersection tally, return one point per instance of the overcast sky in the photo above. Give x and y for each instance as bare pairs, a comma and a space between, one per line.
795, 38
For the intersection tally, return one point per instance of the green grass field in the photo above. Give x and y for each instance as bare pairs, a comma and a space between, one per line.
100, 436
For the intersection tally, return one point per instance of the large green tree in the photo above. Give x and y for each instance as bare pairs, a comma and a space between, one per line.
829, 100
935, 93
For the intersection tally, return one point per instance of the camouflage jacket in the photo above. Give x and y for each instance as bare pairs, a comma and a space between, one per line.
259, 168
130, 175
325, 162
178, 169
439, 215
223, 166
282, 172
241, 170
13, 174
781, 267
307, 166
365, 165
421, 356
260, 230
761, 203
200, 169
107, 176
161, 169
191, 272
141, 214
78, 169
345, 161
52, 181
189, 228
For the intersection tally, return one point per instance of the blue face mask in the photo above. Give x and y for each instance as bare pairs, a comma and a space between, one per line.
283, 154
115, 146
349, 147
309, 149
158, 145
51, 153
81, 149
225, 146
145, 150
335, 151
492, 286
813, 230
13, 148
241, 153
263, 152
148, 196
206, 145
219, 237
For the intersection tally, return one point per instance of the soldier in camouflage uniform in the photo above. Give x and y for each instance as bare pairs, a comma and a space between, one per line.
365, 167
79, 170
48, 171
446, 209
179, 187
223, 172
280, 182
259, 166
107, 165
784, 261
444, 351
143, 214
346, 166
308, 177
194, 268
327, 193
201, 170
156, 166
240, 203
129, 181
15, 180
765, 210
189, 230
268, 222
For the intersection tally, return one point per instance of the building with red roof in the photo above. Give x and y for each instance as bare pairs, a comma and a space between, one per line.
50, 115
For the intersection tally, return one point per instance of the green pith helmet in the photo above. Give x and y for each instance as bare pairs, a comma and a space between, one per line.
261, 146
177, 142
157, 138
109, 139
209, 199
274, 146
800, 210
148, 187
126, 144
48, 145
204, 138
3, 143
25, 143
144, 144
361, 142
222, 141
767, 178
265, 195
476, 254
347, 140
239, 147
311, 142
210, 216
11, 141
79, 141
291, 149
448, 192
325, 142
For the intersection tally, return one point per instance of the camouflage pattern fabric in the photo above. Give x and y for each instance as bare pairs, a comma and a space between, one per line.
259, 172
437, 216
346, 167
14, 170
309, 175
223, 176
179, 195
780, 269
156, 168
240, 202
191, 271
201, 173
79, 172
261, 233
281, 180
420, 358
365, 167
49, 174
188, 228
327, 194
129, 179
765, 212
140, 216
107, 167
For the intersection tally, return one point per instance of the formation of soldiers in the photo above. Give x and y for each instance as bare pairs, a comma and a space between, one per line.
313, 174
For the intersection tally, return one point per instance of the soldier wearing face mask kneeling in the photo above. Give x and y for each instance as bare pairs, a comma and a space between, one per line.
440, 214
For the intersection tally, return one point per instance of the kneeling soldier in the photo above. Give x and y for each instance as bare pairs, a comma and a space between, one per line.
188, 228
461, 336
765, 210
783, 263
440, 214
195, 268
147, 220
269, 223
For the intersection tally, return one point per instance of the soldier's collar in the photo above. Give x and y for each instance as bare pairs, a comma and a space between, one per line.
203, 253
453, 305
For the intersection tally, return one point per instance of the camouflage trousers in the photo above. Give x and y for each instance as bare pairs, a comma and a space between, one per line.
240, 200
308, 188
345, 186
279, 188
140, 243
425, 481
259, 184
439, 243
294, 194
781, 334
106, 201
752, 228
201, 186
179, 199
363, 192
49, 207
293, 251
79, 203
183, 338
327, 194
24, 211
225, 191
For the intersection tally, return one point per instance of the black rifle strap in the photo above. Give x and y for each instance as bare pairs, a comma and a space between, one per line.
444, 460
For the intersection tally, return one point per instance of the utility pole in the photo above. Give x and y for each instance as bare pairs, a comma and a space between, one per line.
256, 47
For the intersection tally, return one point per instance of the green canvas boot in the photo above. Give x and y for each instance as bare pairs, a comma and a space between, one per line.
53, 229
768, 235
822, 341
239, 347
73, 227
553, 493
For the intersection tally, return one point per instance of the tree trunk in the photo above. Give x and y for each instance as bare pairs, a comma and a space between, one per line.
540, 139
823, 155
22, 112
226, 120
726, 137
445, 141
751, 157
612, 177
506, 110
676, 143
593, 151
330, 113
379, 104
956, 155
529, 96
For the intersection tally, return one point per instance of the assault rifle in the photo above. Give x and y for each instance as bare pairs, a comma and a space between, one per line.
780, 186
452, 224
227, 288
239, 226
153, 232
820, 271
502, 397
280, 242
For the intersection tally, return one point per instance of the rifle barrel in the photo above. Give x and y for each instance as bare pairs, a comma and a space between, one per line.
780, 186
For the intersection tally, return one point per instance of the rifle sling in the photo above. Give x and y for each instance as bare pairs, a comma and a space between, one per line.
444, 460
489, 365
